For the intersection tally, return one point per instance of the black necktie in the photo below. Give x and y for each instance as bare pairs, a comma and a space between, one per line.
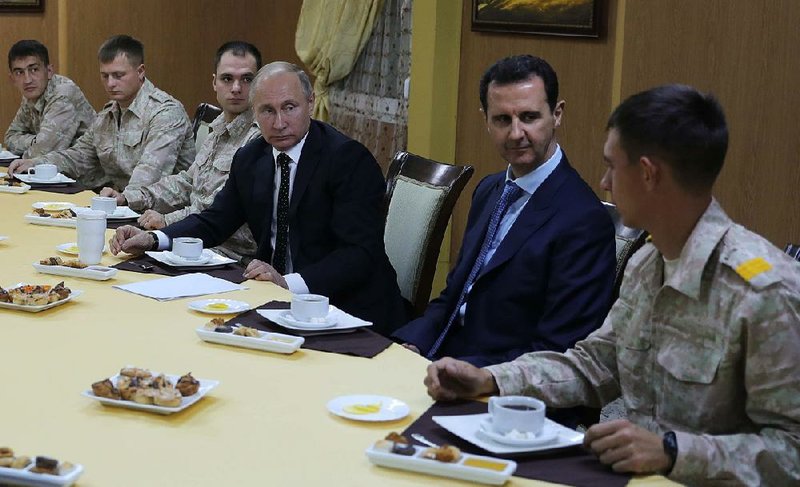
282, 234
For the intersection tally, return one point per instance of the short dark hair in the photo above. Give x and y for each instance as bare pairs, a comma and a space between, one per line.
679, 124
239, 49
27, 48
514, 69
121, 44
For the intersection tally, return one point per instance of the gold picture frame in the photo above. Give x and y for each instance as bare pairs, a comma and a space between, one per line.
577, 18
21, 6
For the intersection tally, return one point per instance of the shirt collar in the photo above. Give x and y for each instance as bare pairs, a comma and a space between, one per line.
697, 250
293, 153
236, 127
137, 106
38, 105
531, 181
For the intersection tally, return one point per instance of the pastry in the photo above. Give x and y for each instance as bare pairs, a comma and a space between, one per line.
65, 468
188, 385
246, 331
213, 324
143, 396
21, 462
45, 465
135, 372
444, 453
167, 397
6, 452
105, 388
6, 461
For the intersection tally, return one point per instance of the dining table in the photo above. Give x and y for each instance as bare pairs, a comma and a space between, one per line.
266, 423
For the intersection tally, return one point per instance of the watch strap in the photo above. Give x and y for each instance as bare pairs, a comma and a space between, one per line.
670, 443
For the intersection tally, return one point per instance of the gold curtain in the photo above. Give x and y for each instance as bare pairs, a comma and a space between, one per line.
330, 35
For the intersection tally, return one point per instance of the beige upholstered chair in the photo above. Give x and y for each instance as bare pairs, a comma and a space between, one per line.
203, 116
628, 241
420, 196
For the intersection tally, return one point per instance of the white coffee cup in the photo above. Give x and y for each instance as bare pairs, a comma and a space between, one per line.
521, 413
104, 203
91, 236
309, 307
189, 248
44, 172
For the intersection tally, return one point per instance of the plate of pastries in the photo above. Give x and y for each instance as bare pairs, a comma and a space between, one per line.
138, 388
18, 469
36, 297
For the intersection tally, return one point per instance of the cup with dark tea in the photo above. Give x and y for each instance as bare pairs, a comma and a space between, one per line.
521, 413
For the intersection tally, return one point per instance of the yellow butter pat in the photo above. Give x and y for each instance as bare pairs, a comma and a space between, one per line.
217, 306
487, 464
362, 408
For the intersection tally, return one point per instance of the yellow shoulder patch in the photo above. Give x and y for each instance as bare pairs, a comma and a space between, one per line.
752, 268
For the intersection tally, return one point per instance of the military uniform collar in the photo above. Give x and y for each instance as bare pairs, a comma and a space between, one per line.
236, 127
38, 105
139, 102
697, 250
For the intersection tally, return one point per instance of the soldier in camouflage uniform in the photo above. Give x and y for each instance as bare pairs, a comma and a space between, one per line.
53, 113
193, 190
138, 137
702, 343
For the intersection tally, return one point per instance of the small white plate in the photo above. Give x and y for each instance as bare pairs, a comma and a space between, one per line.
93, 272
205, 387
36, 308
53, 206
473, 468
71, 248
219, 306
468, 427
24, 476
30, 179
391, 409
545, 436
176, 259
266, 341
328, 322
3, 237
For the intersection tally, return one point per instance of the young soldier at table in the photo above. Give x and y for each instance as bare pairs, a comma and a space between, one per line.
313, 199
703, 341
174, 197
53, 113
138, 137
548, 269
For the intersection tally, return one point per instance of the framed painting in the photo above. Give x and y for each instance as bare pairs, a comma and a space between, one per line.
21, 6
580, 18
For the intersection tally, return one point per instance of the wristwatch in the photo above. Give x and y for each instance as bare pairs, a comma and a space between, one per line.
154, 246
671, 449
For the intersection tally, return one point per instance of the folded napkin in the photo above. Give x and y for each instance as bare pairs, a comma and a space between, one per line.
360, 343
567, 466
178, 287
230, 272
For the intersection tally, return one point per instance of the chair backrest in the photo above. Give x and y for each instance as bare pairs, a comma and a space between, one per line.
420, 196
203, 116
793, 250
628, 241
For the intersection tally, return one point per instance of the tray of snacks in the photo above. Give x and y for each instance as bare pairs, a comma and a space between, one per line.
136, 388
395, 451
36, 297
60, 218
11, 185
37, 471
74, 268
215, 331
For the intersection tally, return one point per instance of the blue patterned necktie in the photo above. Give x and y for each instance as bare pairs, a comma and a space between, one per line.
511, 193
282, 232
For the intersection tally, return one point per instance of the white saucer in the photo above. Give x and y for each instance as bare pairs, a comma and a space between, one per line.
390, 409
329, 322
219, 306
177, 259
546, 435
53, 205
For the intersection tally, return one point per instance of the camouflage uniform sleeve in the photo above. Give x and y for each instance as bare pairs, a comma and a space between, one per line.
18, 136
77, 160
770, 455
583, 375
164, 140
60, 123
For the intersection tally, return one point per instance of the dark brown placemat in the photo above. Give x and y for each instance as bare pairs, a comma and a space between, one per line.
360, 343
69, 188
114, 224
230, 272
568, 466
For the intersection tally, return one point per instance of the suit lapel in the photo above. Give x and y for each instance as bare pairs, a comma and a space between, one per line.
306, 166
536, 213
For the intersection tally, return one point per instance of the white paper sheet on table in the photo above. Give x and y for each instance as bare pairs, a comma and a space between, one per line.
186, 285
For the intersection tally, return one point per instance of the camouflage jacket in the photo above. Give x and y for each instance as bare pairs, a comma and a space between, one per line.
51, 123
193, 190
133, 147
711, 354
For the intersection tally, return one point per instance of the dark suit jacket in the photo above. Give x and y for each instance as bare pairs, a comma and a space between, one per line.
547, 286
335, 221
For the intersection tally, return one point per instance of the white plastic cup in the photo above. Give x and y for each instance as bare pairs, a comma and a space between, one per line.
309, 307
44, 172
91, 236
105, 204
521, 413
189, 248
